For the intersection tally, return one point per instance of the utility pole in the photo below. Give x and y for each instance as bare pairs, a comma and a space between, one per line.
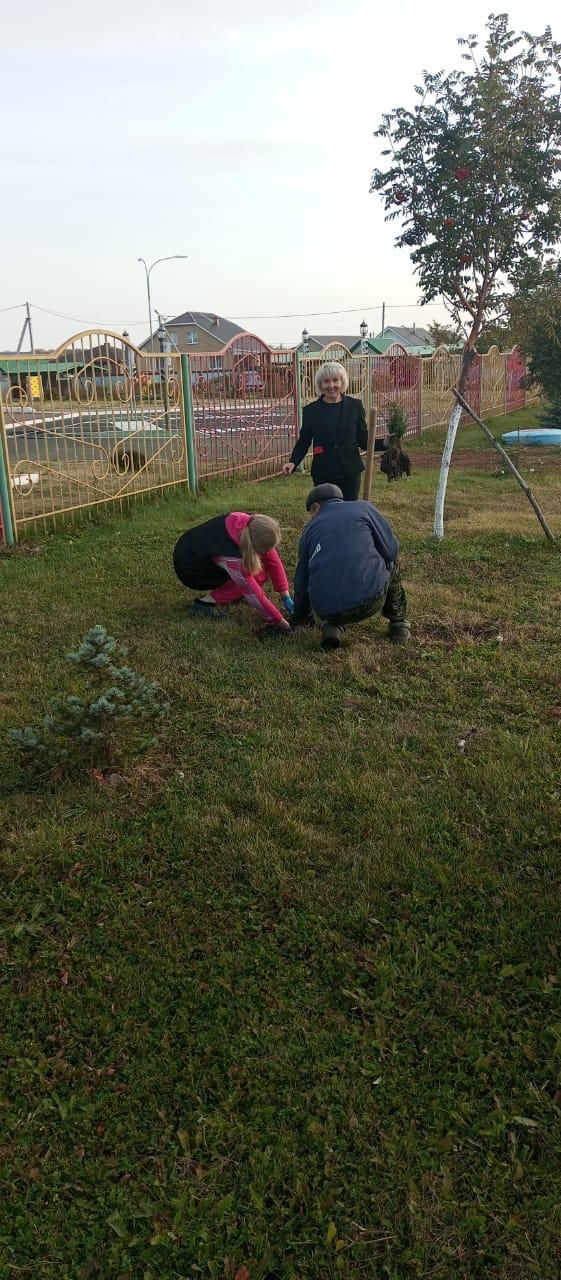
383, 318
26, 329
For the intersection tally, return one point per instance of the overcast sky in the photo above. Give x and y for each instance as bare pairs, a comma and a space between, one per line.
241, 136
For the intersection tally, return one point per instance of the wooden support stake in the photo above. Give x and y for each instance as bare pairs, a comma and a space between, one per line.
511, 467
367, 486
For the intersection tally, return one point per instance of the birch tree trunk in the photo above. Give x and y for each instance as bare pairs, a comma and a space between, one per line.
438, 525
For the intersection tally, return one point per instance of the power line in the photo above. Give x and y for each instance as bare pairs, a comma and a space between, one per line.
293, 315
303, 315
110, 324
348, 311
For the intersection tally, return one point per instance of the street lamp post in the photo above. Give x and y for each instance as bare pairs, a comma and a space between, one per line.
148, 270
164, 344
305, 341
363, 338
127, 357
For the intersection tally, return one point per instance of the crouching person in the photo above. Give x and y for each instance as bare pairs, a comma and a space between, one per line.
230, 558
348, 568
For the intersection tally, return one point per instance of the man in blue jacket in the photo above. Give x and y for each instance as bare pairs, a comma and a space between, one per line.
348, 568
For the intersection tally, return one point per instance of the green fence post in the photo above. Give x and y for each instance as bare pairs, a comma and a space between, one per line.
5, 504
188, 423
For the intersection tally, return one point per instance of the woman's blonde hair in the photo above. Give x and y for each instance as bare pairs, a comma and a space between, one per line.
260, 535
331, 370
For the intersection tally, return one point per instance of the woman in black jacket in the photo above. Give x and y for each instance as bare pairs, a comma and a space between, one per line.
335, 426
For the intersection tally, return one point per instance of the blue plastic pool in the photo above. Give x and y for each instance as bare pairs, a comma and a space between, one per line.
548, 435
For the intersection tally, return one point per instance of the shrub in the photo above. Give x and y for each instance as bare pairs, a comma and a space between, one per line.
551, 415
117, 717
396, 425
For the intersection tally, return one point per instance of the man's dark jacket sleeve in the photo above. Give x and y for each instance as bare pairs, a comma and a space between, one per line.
383, 536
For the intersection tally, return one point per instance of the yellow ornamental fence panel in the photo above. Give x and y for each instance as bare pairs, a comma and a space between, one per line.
440, 373
395, 381
493, 382
334, 351
93, 423
358, 369
309, 366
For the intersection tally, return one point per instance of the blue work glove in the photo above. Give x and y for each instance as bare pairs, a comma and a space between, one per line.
288, 603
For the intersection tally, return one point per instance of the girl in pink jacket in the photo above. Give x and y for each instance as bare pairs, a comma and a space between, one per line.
230, 557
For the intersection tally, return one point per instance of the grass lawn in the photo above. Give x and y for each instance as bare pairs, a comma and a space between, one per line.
470, 436
283, 1002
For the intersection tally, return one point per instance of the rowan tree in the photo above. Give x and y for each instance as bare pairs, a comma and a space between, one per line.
472, 176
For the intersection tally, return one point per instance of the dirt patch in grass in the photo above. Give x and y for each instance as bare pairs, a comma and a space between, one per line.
451, 634
489, 460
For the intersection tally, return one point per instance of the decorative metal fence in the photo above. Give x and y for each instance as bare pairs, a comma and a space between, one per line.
92, 423
244, 408
440, 373
493, 382
97, 422
396, 380
423, 386
515, 393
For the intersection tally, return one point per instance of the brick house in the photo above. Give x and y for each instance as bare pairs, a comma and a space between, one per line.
195, 333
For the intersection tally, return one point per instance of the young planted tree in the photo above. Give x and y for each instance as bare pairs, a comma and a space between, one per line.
473, 174
395, 463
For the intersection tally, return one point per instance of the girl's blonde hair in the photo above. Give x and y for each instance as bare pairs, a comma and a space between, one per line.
331, 370
260, 535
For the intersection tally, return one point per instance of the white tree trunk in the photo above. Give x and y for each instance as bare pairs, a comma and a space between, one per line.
438, 527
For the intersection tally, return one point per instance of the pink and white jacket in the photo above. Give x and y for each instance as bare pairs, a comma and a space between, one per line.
247, 585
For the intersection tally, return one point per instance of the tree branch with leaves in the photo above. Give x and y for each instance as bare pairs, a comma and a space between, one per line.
473, 176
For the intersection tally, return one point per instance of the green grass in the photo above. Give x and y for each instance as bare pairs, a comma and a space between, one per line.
472, 437
286, 996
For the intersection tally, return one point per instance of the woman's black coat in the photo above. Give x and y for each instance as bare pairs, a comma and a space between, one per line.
336, 453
